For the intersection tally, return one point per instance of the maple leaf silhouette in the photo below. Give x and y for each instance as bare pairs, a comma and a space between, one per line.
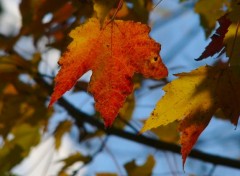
114, 53
217, 44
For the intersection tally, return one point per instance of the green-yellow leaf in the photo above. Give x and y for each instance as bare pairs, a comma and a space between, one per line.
143, 170
62, 128
13, 151
189, 93
74, 158
26, 136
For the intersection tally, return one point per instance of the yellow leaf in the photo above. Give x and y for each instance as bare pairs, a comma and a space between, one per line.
143, 170
123, 11
232, 42
194, 97
26, 136
106, 174
189, 93
62, 128
102, 8
72, 159
168, 133
13, 151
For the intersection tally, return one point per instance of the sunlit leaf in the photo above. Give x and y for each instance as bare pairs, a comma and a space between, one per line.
191, 91
114, 54
194, 98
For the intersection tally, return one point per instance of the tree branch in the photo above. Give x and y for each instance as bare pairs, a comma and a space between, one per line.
81, 117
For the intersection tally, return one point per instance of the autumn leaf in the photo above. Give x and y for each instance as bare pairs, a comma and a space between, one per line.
106, 174
209, 12
114, 53
193, 99
62, 128
14, 150
72, 159
144, 170
217, 44
27, 101
102, 8
229, 95
63, 13
126, 112
168, 133
232, 38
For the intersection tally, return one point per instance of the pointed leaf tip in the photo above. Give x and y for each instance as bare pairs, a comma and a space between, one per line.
217, 44
114, 54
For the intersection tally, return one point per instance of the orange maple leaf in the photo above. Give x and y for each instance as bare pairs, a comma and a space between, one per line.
114, 53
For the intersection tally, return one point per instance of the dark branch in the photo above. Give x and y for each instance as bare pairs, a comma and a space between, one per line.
81, 117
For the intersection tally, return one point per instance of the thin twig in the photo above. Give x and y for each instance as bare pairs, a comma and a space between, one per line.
212, 170
114, 159
93, 156
157, 4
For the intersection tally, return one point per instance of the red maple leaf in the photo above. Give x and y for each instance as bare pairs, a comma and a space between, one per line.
114, 53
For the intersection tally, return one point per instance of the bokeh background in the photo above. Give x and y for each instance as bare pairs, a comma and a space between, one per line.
177, 27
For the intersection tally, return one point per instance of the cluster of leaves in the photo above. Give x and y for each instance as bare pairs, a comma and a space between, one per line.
115, 50
198, 95
24, 115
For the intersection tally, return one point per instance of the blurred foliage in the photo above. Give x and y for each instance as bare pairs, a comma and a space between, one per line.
210, 12
106, 174
72, 159
62, 128
23, 100
24, 115
146, 169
